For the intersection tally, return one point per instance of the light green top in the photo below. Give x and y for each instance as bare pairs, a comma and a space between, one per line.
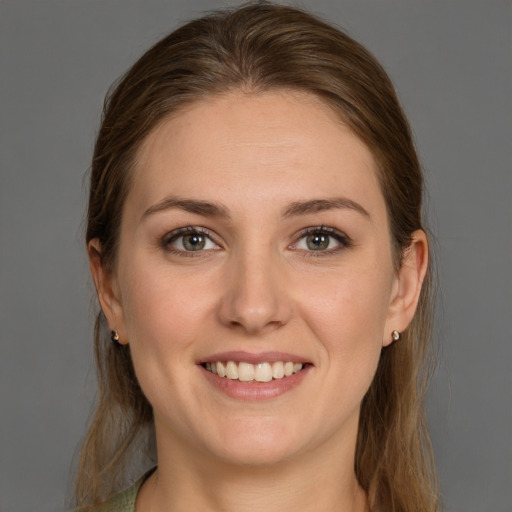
124, 501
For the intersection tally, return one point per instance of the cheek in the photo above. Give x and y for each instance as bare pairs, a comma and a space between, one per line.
160, 310
350, 306
164, 316
347, 315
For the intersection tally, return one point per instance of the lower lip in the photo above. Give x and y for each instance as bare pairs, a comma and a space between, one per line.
255, 390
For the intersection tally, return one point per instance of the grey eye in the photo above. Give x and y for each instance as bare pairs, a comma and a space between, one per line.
193, 242
318, 242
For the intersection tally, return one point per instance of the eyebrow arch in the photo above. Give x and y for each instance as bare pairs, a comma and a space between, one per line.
320, 205
205, 208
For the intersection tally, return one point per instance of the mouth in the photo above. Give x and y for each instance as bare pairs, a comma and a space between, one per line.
260, 372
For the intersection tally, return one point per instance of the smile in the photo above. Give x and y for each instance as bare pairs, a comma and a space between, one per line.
247, 372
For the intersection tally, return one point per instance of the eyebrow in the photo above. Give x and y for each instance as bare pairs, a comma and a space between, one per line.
320, 205
296, 208
197, 206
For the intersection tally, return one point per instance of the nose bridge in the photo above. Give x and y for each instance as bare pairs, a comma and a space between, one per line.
255, 297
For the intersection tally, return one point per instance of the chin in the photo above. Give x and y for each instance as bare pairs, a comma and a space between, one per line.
258, 443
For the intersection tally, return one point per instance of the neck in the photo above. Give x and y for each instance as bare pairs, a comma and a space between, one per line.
311, 482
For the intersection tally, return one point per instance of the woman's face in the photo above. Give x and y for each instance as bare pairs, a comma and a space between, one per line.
255, 235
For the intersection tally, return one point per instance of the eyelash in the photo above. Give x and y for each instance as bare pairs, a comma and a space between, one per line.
342, 239
171, 237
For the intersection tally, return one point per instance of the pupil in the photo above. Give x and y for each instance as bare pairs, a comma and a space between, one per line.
193, 242
317, 242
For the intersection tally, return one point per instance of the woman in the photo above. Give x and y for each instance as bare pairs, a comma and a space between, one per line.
255, 238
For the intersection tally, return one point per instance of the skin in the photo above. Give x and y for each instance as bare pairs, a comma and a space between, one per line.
257, 286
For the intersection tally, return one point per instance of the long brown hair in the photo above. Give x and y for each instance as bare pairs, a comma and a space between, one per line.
260, 47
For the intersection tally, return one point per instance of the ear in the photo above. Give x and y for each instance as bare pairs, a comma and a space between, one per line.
407, 286
107, 289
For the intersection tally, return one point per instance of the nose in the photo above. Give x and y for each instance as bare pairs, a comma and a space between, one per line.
255, 297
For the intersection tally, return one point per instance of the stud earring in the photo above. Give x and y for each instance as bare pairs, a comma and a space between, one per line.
395, 335
114, 337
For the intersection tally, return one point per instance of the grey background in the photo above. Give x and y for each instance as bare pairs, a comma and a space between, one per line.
452, 64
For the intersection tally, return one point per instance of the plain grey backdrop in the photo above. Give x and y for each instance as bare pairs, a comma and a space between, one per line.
451, 62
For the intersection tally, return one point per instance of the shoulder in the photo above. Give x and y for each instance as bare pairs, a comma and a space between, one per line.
124, 501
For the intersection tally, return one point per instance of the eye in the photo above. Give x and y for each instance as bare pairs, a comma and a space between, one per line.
189, 240
321, 240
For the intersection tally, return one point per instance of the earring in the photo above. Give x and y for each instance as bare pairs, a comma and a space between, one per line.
395, 335
114, 337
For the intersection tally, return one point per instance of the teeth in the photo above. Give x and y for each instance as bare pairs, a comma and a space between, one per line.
261, 372
245, 372
221, 369
232, 370
278, 370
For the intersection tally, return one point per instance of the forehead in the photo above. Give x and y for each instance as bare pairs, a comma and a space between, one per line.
281, 144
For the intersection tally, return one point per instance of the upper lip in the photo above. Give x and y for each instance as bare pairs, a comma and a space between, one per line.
254, 357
